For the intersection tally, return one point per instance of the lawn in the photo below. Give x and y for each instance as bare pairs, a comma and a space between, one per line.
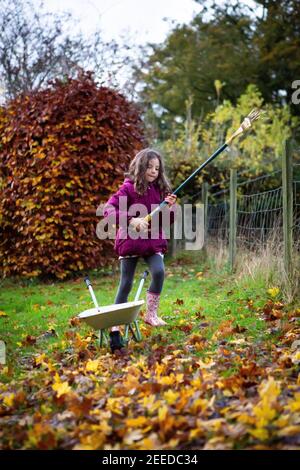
223, 373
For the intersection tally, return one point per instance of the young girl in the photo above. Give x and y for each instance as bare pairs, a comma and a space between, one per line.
145, 183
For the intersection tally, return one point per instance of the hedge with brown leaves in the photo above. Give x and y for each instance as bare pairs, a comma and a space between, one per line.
63, 151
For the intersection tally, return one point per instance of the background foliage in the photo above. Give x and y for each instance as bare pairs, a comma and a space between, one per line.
234, 44
257, 152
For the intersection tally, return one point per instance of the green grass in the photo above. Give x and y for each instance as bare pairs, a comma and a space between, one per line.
35, 308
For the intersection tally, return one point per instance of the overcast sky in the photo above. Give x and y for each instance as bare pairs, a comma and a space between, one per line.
134, 22
142, 19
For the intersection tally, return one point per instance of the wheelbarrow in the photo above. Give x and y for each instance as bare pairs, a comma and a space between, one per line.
101, 318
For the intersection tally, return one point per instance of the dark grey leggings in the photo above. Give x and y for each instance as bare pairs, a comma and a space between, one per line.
156, 267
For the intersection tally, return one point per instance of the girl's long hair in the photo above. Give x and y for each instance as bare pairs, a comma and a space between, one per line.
137, 170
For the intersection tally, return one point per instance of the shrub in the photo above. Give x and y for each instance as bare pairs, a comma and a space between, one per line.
63, 151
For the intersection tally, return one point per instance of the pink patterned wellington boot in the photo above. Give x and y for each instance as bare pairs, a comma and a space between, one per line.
152, 306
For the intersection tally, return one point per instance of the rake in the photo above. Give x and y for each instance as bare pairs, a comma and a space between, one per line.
245, 126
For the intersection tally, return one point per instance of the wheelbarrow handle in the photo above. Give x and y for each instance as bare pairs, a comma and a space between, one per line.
87, 281
89, 286
137, 295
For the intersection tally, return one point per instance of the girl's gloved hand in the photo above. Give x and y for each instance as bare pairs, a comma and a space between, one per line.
170, 199
139, 224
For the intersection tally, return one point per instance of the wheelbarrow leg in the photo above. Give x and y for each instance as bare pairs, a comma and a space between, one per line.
135, 331
103, 338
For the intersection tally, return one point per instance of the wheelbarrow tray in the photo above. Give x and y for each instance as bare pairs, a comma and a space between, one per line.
111, 315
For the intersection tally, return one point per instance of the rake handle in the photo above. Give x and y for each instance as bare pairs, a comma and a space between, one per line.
192, 176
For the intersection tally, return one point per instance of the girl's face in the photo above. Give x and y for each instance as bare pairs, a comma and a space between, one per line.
152, 170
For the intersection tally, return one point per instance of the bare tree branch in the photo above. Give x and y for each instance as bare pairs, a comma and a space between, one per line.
36, 47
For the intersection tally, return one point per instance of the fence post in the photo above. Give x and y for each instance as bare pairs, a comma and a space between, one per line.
204, 200
287, 205
233, 218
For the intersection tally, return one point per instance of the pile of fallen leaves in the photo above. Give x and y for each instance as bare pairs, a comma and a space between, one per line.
220, 393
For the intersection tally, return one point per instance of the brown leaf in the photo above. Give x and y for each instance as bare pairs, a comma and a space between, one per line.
74, 321
29, 340
186, 328
239, 329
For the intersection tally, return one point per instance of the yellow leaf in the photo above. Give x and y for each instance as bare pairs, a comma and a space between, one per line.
40, 359
179, 378
166, 380
296, 357
171, 397
260, 433
92, 441
173, 443
264, 414
114, 405
131, 382
61, 388
162, 413
150, 403
290, 431
136, 422
294, 405
148, 443
9, 400
199, 404
282, 421
92, 366
194, 433
246, 419
269, 390
273, 291
3, 314
206, 365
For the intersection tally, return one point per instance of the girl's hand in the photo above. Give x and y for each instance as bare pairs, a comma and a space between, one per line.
170, 199
139, 224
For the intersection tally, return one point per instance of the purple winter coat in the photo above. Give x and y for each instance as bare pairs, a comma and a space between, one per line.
124, 245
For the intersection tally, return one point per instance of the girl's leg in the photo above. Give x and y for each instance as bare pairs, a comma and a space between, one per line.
156, 267
157, 270
128, 266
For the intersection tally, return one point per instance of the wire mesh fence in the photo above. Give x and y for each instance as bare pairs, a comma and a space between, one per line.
259, 213
296, 204
262, 219
218, 220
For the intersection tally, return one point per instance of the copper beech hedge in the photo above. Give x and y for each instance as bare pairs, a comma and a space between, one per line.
63, 151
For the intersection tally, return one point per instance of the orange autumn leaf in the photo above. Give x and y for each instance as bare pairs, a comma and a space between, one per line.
140, 421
